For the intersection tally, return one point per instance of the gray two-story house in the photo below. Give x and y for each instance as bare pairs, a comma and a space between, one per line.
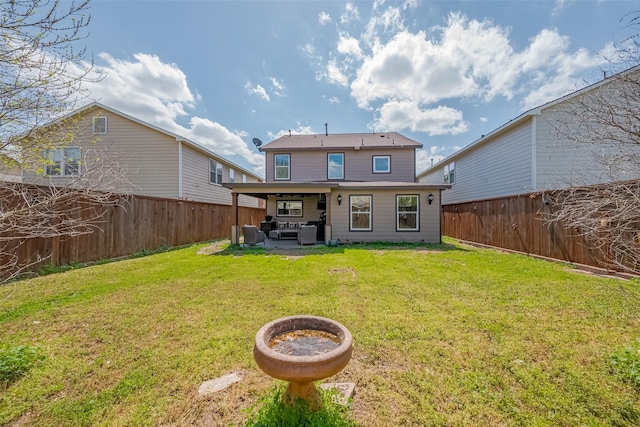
359, 187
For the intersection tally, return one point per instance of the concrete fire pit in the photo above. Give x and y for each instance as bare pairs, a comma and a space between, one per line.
301, 350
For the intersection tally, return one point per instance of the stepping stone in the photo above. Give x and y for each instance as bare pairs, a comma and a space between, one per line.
218, 384
345, 391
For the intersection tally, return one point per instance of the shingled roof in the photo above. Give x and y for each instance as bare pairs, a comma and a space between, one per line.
341, 141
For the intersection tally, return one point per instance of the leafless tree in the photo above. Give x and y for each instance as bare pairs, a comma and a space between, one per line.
42, 72
606, 119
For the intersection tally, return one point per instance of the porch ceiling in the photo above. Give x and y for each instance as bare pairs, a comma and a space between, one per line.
262, 190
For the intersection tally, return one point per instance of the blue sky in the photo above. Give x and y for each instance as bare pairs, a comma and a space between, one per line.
440, 72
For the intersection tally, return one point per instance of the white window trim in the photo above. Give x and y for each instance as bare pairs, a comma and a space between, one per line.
417, 212
388, 170
217, 177
351, 213
93, 125
449, 177
329, 166
275, 167
63, 165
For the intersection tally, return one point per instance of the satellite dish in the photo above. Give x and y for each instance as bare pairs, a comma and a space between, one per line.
257, 142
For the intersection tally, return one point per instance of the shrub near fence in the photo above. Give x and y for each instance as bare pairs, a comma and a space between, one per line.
136, 224
517, 223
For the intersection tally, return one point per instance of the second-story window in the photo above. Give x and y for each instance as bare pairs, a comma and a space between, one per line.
381, 164
282, 164
99, 125
449, 173
335, 166
215, 172
232, 175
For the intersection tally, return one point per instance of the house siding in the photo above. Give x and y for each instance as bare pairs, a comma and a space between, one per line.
563, 163
383, 217
151, 161
195, 178
311, 165
147, 156
500, 167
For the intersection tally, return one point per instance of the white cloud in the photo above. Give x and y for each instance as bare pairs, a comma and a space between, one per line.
408, 115
324, 18
300, 129
407, 78
335, 75
425, 158
163, 98
350, 14
334, 100
256, 90
348, 45
309, 50
277, 87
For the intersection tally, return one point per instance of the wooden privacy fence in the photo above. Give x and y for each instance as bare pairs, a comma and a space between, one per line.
516, 223
136, 224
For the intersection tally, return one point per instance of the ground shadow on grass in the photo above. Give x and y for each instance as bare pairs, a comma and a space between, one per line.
225, 248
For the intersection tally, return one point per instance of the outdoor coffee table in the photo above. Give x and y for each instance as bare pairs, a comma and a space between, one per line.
288, 234
274, 234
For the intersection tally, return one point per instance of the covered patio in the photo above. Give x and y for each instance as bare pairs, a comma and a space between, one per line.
288, 205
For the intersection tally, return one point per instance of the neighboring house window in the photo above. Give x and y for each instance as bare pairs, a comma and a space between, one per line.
360, 213
449, 173
215, 172
281, 163
63, 161
335, 166
99, 125
381, 164
407, 213
244, 178
289, 208
232, 175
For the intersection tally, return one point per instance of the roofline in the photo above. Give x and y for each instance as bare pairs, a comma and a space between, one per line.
358, 185
521, 119
177, 137
414, 144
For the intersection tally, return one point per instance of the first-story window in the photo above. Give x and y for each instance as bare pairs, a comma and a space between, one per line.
281, 164
381, 164
360, 213
63, 161
407, 212
289, 208
215, 172
449, 173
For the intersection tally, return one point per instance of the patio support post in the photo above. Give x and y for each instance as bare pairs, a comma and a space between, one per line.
235, 228
327, 225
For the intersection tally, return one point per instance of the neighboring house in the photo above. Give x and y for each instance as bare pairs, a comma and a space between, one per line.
364, 183
155, 162
528, 154
10, 170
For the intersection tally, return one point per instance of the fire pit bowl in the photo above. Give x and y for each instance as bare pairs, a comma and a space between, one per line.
302, 349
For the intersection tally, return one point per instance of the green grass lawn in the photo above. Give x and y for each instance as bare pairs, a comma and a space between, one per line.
444, 335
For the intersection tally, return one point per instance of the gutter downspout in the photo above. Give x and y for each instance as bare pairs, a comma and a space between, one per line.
534, 154
180, 169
